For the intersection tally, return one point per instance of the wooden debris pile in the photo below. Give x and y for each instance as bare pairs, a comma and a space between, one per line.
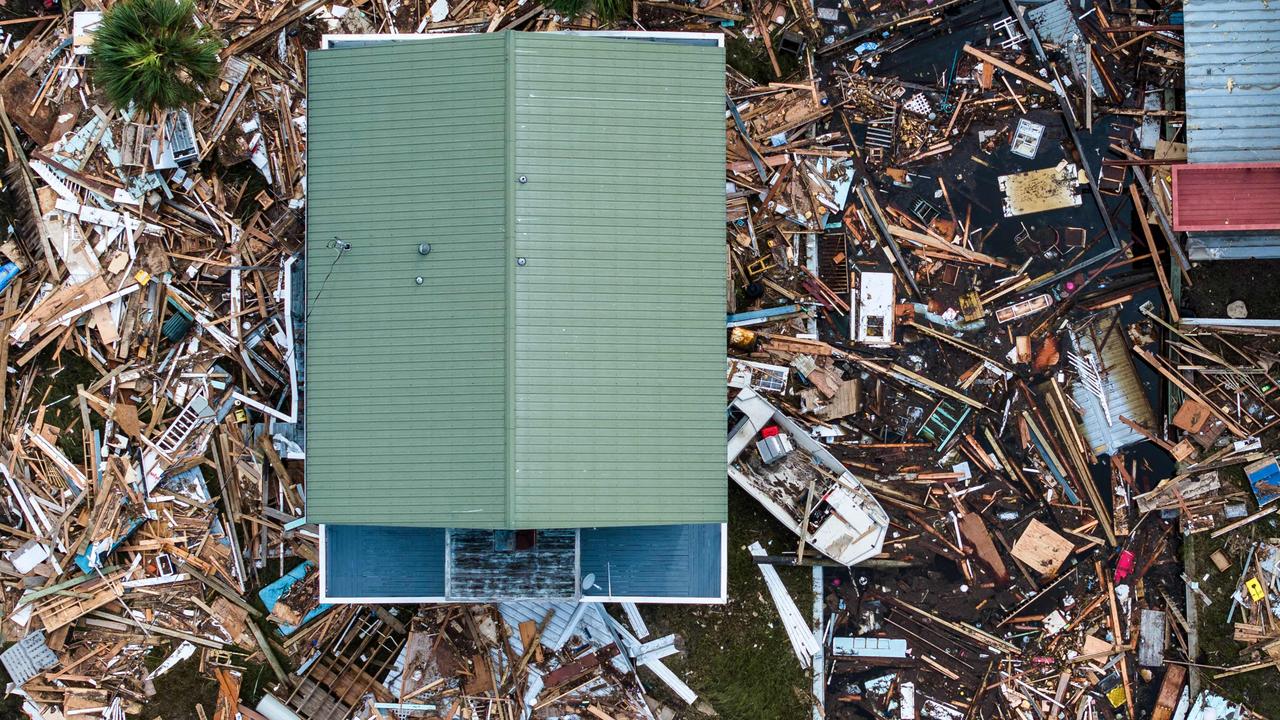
152, 509
952, 271
983, 320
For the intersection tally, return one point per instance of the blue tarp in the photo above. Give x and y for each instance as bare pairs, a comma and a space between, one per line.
1264, 478
273, 592
83, 559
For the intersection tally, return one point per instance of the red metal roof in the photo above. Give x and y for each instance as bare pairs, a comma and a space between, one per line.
1227, 196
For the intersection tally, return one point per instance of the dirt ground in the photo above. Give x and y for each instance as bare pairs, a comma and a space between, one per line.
1215, 284
179, 691
737, 656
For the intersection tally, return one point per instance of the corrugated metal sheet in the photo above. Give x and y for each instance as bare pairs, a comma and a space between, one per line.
406, 383
28, 657
589, 625
383, 562
1124, 390
1232, 50
1226, 197
618, 366
1054, 23
1218, 246
669, 561
583, 385
572, 624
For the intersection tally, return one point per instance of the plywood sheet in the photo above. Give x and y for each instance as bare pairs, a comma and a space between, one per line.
1042, 549
1037, 191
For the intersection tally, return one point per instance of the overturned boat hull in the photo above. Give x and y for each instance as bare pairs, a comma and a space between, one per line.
855, 525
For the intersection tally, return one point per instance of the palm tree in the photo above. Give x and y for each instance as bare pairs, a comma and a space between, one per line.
152, 54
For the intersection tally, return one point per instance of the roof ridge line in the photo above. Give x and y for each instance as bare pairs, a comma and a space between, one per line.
509, 238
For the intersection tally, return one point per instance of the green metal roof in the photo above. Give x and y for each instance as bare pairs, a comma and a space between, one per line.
562, 362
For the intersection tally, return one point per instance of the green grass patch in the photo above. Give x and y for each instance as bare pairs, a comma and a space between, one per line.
60, 382
737, 656
750, 58
179, 690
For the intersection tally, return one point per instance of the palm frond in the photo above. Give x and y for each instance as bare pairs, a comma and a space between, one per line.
610, 10
152, 54
567, 8
607, 10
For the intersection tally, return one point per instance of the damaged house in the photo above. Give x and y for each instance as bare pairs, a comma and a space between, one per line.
515, 267
1224, 196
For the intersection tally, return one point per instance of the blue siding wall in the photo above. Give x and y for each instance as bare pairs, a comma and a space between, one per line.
371, 561
675, 561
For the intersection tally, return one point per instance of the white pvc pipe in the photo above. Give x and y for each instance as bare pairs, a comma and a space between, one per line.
273, 709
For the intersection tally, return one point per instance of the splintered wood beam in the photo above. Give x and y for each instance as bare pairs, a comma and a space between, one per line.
763, 26
219, 587
931, 242
1138, 428
1155, 256
963, 629
1011, 69
707, 12
917, 380
1186, 387
1242, 522
804, 523
1171, 237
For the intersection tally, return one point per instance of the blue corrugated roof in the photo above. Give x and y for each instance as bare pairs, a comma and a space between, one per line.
1232, 52
1055, 23
1126, 396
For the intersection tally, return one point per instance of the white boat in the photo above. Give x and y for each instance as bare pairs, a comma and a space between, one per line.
845, 522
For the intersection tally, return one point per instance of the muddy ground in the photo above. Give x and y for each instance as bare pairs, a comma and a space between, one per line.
1216, 284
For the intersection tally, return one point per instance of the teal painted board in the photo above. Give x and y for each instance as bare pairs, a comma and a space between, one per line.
619, 339
563, 362
406, 383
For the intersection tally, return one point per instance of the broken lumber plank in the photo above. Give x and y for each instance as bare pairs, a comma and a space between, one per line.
677, 685
1011, 69
798, 631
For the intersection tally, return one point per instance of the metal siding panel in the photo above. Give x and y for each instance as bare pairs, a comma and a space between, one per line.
619, 340
1226, 197
406, 391
1220, 246
669, 561
590, 626
1055, 23
1232, 50
384, 562
1125, 393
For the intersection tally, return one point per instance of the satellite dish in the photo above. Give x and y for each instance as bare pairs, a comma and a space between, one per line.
589, 582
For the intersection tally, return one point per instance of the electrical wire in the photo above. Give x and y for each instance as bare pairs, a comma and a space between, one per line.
342, 247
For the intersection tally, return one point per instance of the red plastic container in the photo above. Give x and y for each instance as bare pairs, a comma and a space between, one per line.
1125, 565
